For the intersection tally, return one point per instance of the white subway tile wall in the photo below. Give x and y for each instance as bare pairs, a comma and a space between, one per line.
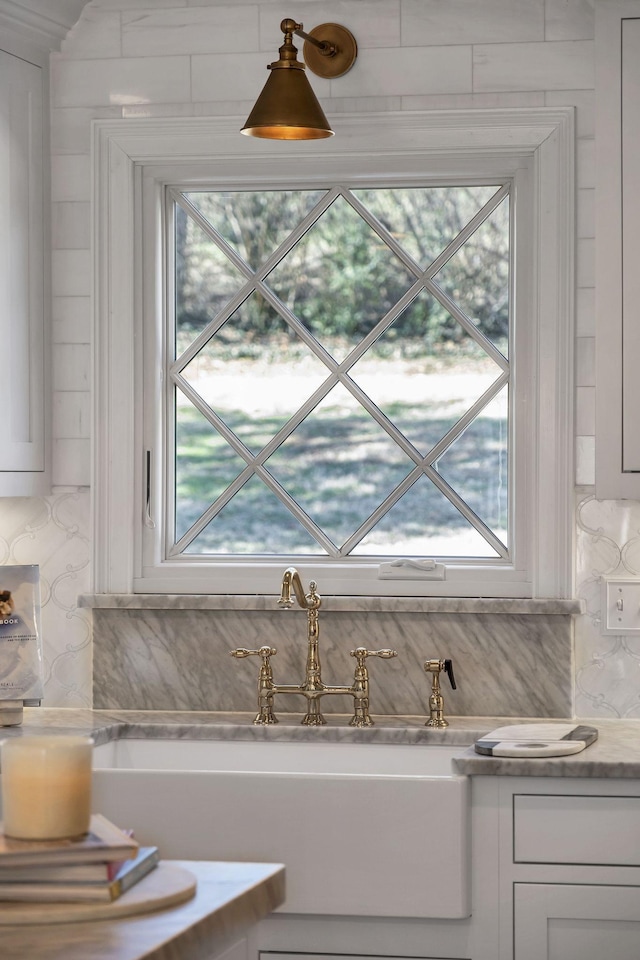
133, 58
430, 22
533, 66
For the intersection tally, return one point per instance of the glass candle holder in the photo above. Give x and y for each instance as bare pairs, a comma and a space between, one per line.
46, 786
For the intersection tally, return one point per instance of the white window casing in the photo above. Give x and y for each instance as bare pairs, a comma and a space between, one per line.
133, 162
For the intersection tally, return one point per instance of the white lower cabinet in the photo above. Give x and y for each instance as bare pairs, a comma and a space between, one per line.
555, 921
282, 937
569, 868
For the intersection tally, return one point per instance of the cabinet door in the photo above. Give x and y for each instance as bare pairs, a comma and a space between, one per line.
576, 922
22, 268
617, 249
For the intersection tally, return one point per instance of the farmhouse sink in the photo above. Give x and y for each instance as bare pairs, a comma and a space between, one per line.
364, 829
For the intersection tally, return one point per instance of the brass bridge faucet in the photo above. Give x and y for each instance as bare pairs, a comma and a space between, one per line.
313, 688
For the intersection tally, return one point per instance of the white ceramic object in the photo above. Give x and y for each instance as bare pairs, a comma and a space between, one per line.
363, 829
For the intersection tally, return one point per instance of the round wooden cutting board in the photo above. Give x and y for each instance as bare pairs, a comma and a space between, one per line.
166, 886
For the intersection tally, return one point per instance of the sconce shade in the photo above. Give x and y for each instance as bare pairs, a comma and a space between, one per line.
287, 108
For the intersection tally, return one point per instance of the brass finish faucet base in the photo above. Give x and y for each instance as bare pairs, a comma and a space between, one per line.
313, 688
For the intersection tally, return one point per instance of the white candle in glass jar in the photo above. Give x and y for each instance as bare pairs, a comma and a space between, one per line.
46, 786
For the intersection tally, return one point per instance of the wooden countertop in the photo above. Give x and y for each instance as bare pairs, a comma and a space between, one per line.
230, 898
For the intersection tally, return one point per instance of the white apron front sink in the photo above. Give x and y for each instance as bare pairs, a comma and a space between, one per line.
363, 829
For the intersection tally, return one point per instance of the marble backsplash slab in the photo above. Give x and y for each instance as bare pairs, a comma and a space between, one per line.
178, 659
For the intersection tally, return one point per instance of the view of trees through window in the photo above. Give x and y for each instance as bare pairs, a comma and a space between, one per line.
339, 385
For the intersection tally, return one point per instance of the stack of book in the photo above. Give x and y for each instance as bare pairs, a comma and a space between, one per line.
97, 868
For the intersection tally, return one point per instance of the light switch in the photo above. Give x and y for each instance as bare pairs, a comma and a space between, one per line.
621, 607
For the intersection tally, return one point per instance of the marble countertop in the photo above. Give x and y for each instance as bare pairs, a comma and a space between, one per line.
615, 754
230, 898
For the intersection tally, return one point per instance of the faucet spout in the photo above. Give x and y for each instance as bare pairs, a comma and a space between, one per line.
291, 578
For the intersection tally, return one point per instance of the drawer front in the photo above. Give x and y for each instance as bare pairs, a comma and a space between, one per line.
603, 831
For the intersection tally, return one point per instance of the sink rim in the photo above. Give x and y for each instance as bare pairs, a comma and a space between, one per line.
279, 758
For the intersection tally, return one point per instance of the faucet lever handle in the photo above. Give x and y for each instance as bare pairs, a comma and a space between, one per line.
361, 653
448, 669
264, 652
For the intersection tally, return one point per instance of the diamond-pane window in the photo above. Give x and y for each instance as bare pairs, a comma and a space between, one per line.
340, 384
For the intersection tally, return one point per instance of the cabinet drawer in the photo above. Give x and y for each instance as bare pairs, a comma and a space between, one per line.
571, 829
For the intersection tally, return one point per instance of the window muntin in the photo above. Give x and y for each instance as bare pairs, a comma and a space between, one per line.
328, 458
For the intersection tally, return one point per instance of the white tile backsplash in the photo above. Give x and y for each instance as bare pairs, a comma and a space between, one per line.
585, 211
71, 273
71, 461
533, 66
431, 22
586, 262
71, 320
71, 225
72, 414
176, 58
585, 361
141, 4
607, 545
188, 30
585, 163
466, 101
71, 366
569, 19
424, 70
54, 533
80, 83
70, 177
585, 461
585, 411
585, 312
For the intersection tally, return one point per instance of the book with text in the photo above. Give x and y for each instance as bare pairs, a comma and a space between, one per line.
103, 842
129, 873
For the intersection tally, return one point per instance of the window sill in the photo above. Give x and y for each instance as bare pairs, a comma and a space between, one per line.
138, 601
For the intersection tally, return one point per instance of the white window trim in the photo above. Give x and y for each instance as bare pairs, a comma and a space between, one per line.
124, 150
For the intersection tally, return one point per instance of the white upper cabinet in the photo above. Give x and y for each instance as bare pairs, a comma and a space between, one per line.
23, 278
618, 250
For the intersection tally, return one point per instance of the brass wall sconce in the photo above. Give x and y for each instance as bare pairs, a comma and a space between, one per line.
287, 108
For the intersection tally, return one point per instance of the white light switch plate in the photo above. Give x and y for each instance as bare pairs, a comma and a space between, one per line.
621, 607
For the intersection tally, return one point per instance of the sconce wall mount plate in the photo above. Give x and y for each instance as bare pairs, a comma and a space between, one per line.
334, 64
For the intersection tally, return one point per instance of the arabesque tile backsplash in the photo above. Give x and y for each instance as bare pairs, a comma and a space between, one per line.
607, 668
54, 532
